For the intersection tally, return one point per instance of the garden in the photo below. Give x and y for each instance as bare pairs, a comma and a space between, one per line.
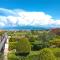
34, 45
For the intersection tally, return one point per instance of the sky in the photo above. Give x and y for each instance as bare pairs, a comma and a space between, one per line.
35, 13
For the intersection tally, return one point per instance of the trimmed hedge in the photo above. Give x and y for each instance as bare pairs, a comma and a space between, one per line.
33, 57
56, 51
23, 47
55, 42
12, 45
12, 40
12, 57
46, 54
37, 45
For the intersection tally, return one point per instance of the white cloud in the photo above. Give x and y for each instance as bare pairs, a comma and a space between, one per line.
2, 24
34, 18
23, 18
57, 22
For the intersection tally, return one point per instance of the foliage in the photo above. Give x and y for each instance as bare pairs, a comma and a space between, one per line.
55, 42
23, 46
12, 40
12, 45
46, 54
37, 45
32, 39
33, 57
11, 55
56, 51
35, 40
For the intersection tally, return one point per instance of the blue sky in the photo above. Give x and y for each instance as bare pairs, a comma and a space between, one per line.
14, 10
51, 7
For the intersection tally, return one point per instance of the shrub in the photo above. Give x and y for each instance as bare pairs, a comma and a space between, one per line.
56, 51
37, 45
46, 54
12, 40
12, 45
12, 57
55, 42
33, 57
32, 39
23, 47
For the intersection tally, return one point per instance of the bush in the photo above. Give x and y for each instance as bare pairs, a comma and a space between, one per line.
55, 42
46, 54
12, 57
56, 51
12, 45
12, 40
37, 45
23, 47
32, 39
33, 57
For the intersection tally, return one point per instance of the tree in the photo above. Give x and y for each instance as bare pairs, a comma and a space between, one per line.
23, 47
46, 54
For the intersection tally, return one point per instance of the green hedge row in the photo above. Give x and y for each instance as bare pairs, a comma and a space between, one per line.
12, 40
12, 45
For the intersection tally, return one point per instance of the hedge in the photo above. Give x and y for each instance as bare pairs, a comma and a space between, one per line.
23, 46
12, 45
46, 54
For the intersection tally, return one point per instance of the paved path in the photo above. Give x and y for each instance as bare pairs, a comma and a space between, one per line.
6, 49
4, 41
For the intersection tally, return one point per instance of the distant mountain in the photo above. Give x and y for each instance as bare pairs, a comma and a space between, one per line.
26, 28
